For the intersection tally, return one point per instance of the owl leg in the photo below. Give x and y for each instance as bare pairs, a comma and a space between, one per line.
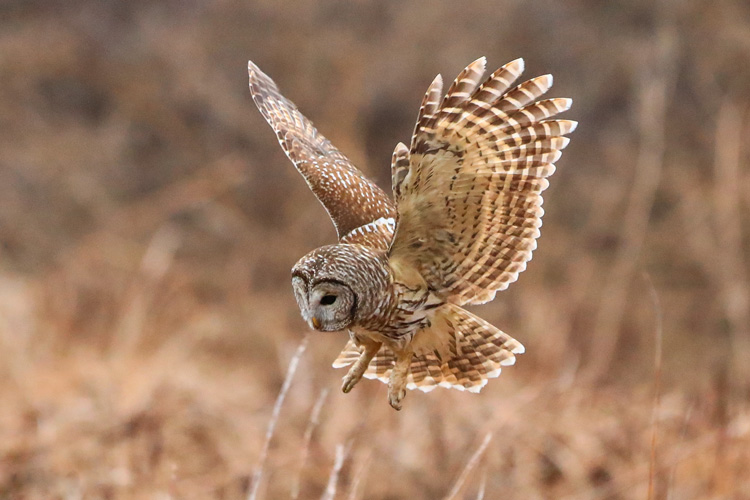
397, 384
359, 367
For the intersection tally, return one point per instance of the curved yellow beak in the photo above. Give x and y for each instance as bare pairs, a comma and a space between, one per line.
315, 322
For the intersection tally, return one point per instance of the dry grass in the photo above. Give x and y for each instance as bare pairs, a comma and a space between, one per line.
148, 221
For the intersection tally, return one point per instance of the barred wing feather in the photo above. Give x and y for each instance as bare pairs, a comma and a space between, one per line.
468, 190
351, 200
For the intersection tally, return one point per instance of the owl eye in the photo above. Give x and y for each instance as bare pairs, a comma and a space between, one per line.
327, 300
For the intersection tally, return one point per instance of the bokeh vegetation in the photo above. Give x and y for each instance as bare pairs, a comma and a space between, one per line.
148, 222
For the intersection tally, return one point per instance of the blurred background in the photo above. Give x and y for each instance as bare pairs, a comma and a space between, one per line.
149, 220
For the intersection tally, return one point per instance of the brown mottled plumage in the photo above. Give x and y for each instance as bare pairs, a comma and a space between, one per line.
466, 217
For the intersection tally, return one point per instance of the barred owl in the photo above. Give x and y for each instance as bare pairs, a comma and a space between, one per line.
462, 223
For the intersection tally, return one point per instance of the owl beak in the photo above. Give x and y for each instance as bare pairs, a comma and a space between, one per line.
315, 322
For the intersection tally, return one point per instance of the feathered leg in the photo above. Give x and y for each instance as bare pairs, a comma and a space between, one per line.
399, 374
459, 351
370, 349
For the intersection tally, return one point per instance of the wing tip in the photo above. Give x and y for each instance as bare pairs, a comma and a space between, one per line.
259, 82
253, 70
519, 65
509, 361
480, 63
518, 348
563, 104
424, 388
476, 389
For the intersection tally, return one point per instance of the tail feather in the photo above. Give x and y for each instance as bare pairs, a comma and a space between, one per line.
459, 351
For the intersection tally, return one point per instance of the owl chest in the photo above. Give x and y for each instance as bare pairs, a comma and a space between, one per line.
400, 317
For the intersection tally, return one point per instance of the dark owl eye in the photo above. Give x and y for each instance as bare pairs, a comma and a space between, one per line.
327, 300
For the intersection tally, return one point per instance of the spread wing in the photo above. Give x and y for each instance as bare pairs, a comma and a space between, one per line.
351, 200
468, 190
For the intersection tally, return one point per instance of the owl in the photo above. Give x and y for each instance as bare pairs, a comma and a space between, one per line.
462, 223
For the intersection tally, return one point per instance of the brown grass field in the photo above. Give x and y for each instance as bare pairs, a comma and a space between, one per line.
149, 220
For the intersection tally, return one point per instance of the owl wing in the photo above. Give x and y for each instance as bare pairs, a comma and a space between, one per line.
351, 200
468, 190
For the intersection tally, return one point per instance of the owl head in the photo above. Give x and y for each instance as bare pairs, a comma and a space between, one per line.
335, 285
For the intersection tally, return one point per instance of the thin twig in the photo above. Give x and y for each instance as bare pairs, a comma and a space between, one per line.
655, 85
258, 474
469, 466
333, 479
354, 491
656, 79
155, 264
657, 383
731, 258
482, 485
307, 438
683, 433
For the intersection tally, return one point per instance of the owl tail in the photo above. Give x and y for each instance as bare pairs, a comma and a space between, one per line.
459, 350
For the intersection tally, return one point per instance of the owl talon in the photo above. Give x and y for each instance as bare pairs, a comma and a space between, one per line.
397, 383
349, 382
395, 397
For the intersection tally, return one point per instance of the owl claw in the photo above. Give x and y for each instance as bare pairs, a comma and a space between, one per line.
349, 382
395, 397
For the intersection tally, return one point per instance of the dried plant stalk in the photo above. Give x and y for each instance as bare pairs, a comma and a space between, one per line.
311, 425
258, 474
469, 467
654, 90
